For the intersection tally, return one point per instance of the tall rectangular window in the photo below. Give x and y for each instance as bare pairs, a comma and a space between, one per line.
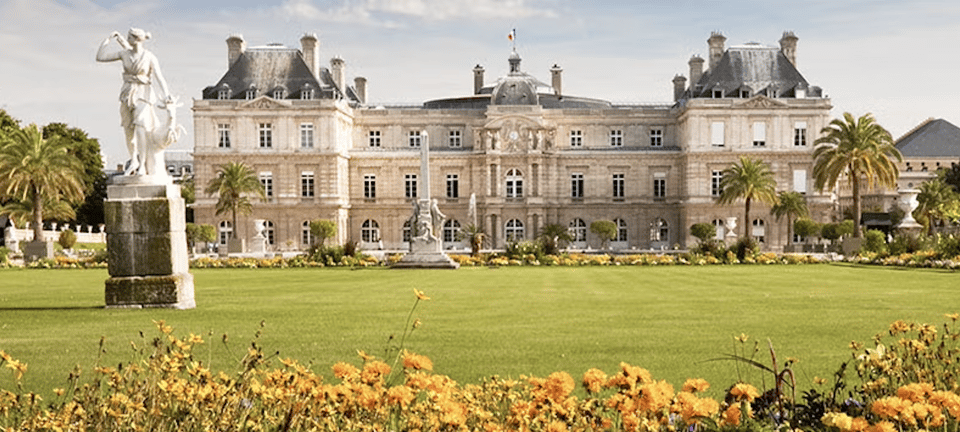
800, 181
455, 139
716, 134
576, 138
800, 134
618, 184
659, 186
306, 184
616, 138
415, 138
656, 137
306, 135
266, 180
223, 135
716, 177
759, 134
374, 138
576, 185
369, 186
410, 185
265, 131
453, 185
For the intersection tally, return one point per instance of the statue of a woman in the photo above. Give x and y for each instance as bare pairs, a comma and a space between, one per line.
137, 98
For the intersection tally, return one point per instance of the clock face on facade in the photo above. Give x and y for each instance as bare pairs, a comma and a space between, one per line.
514, 135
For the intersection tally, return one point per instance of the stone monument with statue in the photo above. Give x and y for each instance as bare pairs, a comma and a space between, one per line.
144, 212
426, 223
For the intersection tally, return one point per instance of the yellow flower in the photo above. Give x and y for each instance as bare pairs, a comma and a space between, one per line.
695, 385
953, 316
420, 295
838, 420
19, 368
400, 395
558, 386
343, 370
593, 380
883, 426
819, 381
742, 338
416, 361
744, 391
899, 326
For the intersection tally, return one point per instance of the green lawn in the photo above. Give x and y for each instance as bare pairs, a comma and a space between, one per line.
481, 321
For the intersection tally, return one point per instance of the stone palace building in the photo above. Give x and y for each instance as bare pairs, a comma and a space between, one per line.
519, 148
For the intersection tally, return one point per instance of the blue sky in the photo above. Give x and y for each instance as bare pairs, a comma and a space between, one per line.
896, 59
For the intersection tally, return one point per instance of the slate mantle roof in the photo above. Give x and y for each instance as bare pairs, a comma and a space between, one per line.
756, 68
275, 67
932, 138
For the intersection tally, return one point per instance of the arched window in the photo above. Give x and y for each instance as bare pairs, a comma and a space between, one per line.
719, 226
621, 230
370, 231
759, 231
578, 230
306, 237
225, 231
513, 231
270, 232
514, 183
660, 231
407, 231
450, 230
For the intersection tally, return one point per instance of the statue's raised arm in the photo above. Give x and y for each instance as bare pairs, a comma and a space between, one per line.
146, 134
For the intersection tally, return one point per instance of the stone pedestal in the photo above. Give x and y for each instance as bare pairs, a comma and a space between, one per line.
36, 250
146, 245
426, 249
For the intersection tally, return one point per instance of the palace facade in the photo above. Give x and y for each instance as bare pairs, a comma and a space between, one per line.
515, 155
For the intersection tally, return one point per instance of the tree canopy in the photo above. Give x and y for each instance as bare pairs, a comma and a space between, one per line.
790, 204
749, 179
233, 184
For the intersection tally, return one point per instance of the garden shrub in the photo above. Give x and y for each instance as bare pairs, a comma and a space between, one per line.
906, 243
67, 239
4, 255
745, 248
948, 246
874, 241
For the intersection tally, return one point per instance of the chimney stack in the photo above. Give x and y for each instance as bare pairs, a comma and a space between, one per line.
235, 47
696, 70
788, 45
310, 47
679, 84
477, 79
556, 73
337, 68
360, 85
716, 48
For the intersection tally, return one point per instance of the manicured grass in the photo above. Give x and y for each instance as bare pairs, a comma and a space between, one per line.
481, 321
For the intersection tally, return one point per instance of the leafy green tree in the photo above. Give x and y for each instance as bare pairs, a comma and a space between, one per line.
951, 176
234, 182
790, 205
703, 231
604, 229
200, 233
7, 124
553, 237
752, 180
39, 170
87, 151
323, 229
859, 149
67, 239
805, 228
188, 191
935, 203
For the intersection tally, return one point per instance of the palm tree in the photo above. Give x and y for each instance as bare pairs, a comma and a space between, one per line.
859, 149
475, 235
233, 183
553, 237
752, 180
40, 172
934, 198
792, 205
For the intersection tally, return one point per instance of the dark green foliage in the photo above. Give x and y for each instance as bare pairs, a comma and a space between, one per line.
806, 228
948, 246
703, 231
322, 229
907, 243
521, 249
200, 233
87, 150
745, 247
67, 239
874, 241
605, 230
553, 237
951, 176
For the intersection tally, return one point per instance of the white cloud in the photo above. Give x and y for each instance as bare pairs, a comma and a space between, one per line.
386, 12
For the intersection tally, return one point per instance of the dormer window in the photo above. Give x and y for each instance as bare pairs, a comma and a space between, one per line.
251, 93
306, 94
717, 93
744, 93
224, 92
279, 93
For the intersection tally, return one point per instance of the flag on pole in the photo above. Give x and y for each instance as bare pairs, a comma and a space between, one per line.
512, 35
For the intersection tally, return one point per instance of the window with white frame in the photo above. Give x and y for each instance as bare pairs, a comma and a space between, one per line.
759, 134
370, 231
265, 133
373, 138
576, 138
266, 180
306, 235
451, 229
455, 139
578, 230
306, 135
618, 185
270, 232
307, 184
407, 232
576, 185
453, 185
659, 185
759, 231
514, 183
513, 230
279, 94
621, 230
616, 138
800, 134
656, 137
716, 183
225, 232
306, 93
369, 186
251, 93
800, 180
410, 185
223, 94
223, 135
415, 138
717, 134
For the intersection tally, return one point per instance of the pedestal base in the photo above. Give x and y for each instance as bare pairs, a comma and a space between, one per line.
173, 291
426, 260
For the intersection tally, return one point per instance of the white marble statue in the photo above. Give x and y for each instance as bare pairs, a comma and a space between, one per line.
146, 134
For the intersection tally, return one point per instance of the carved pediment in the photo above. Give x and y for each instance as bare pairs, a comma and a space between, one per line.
517, 134
265, 102
761, 101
